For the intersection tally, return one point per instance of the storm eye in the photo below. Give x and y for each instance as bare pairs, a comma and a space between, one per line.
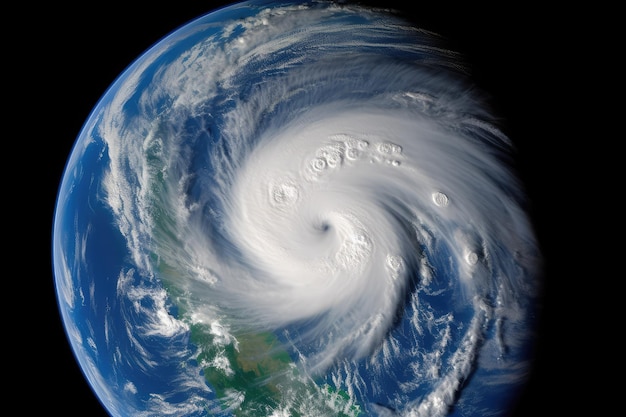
324, 227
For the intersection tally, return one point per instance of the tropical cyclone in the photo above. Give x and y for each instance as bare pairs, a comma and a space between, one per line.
330, 207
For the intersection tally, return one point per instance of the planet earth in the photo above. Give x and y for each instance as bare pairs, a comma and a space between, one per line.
288, 208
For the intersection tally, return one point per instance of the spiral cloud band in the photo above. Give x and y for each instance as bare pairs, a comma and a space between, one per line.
324, 176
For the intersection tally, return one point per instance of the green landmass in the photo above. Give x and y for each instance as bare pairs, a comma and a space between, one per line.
261, 378
255, 376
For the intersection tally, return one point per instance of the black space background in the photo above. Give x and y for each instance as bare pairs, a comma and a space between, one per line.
67, 56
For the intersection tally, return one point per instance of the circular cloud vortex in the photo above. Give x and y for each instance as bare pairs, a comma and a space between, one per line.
297, 209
